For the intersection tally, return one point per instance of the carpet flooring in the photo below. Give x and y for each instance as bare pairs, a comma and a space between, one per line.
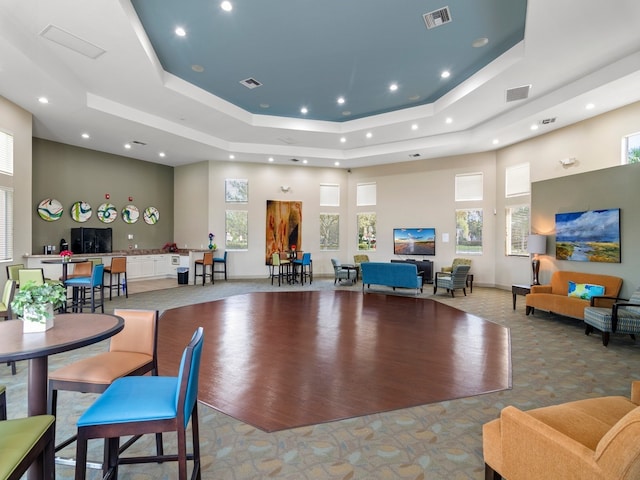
553, 361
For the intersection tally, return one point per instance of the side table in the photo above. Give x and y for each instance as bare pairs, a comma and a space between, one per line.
519, 290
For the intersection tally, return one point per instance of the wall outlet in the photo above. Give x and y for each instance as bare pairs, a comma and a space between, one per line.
130, 236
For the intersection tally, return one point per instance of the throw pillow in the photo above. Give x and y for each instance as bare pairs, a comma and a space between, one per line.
585, 290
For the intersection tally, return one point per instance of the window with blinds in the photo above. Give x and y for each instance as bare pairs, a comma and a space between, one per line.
366, 194
329, 195
517, 224
517, 180
469, 187
6, 153
6, 223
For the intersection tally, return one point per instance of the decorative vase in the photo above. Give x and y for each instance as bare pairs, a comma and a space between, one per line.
65, 259
34, 321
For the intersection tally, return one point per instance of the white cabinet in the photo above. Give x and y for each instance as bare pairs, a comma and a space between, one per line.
148, 266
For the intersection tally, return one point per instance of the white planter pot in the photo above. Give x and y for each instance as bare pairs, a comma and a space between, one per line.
35, 322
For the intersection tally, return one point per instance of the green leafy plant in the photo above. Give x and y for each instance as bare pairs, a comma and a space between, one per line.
38, 296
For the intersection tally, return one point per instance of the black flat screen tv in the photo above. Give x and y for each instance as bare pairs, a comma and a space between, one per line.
414, 241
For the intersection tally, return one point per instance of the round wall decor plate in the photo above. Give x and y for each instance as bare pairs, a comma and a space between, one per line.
107, 212
151, 215
81, 211
130, 214
50, 209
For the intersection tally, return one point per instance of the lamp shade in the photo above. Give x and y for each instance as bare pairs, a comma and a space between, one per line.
537, 244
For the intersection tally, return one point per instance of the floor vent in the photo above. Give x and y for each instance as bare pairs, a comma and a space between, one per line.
437, 17
250, 83
518, 93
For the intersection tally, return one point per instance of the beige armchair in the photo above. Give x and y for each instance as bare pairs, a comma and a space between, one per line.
596, 438
455, 263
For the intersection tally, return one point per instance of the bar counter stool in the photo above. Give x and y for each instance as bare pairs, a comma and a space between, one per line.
204, 262
118, 267
221, 261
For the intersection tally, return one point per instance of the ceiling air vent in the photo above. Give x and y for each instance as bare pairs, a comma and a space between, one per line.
414, 155
250, 83
547, 121
138, 142
437, 17
518, 93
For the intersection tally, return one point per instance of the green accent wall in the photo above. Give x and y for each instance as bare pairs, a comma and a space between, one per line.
70, 174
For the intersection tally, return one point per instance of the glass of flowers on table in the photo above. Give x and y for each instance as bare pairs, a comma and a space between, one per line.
66, 255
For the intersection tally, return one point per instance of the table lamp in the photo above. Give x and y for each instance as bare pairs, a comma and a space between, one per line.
536, 245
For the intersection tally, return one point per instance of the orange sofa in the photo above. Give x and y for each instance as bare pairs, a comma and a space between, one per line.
554, 297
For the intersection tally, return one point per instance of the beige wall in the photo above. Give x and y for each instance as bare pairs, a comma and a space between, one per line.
70, 174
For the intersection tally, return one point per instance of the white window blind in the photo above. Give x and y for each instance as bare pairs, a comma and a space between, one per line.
330, 195
366, 194
6, 153
468, 187
6, 223
517, 180
517, 223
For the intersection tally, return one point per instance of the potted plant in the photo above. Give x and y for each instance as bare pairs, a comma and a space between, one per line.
35, 303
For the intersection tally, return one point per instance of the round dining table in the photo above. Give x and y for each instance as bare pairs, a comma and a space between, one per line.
70, 331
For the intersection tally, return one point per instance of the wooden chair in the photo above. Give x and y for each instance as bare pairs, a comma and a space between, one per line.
118, 267
80, 270
25, 440
5, 310
153, 405
133, 351
220, 261
204, 262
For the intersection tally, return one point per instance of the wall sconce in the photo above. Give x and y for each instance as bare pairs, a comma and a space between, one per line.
285, 188
536, 245
567, 162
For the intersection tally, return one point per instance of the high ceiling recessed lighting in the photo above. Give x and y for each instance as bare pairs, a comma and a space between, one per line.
346, 113
343, 139
495, 141
341, 100
414, 98
304, 110
480, 42
43, 100
232, 157
393, 87
448, 120
337, 164
162, 154
414, 126
589, 106
264, 105
226, 6
445, 74
197, 68
534, 127
85, 135
271, 159
127, 146
305, 161
369, 134
181, 32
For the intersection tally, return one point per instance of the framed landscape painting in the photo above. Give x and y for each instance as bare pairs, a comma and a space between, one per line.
591, 236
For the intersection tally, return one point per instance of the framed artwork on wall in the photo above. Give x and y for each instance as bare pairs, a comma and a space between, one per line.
284, 227
591, 236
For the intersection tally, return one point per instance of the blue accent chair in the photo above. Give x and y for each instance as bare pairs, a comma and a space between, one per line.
220, 261
339, 273
91, 285
622, 317
146, 405
456, 280
305, 266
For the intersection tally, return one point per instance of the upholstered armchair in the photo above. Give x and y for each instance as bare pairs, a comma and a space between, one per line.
455, 263
339, 272
622, 317
358, 259
455, 280
590, 439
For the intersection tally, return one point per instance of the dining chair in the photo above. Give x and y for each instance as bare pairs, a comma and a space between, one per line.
220, 261
204, 262
118, 267
132, 351
305, 266
142, 405
35, 275
12, 272
5, 310
25, 440
279, 268
3, 402
88, 285
82, 269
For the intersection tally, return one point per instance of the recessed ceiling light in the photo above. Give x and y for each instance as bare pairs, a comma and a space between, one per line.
271, 159
445, 74
85, 135
480, 42
448, 120
305, 161
413, 98
43, 100
495, 141
197, 68
226, 6
304, 110
393, 87
127, 146
337, 164
589, 106
341, 100
343, 139
346, 113
232, 157
181, 32
264, 105
162, 154
414, 126
369, 134
534, 127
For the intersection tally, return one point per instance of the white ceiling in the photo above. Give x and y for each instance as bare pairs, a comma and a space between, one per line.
574, 53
